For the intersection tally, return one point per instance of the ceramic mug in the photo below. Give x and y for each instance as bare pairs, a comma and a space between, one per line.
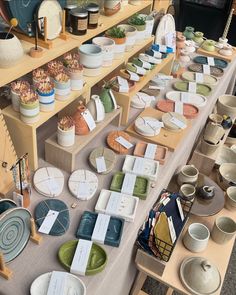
213, 132
223, 230
196, 237
230, 203
208, 148
187, 192
188, 174
215, 118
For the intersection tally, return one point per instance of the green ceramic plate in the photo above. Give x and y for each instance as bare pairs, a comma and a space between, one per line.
207, 79
97, 260
218, 62
202, 89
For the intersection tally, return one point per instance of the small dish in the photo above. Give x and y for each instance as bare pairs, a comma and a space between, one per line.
141, 100
202, 89
147, 126
116, 146
207, 79
214, 71
167, 119
193, 98
109, 158
160, 154
221, 63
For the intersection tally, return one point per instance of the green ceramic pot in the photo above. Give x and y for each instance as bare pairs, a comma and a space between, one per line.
198, 37
209, 45
107, 100
189, 33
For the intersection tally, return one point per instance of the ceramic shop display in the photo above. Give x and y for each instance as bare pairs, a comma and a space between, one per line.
97, 258
193, 98
224, 230
62, 221
147, 126
189, 111
214, 71
220, 63
198, 38
196, 237
117, 34
90, 221
29, 107
225, 155
130, 33
14, 229
188, 174
208, 148
136, 69
141, 100
117, 146
17, 88
213, 132
107, 98
231, 198
83, 184
91, 57
142, 167
107, 45
111, 7
151, 151
189, 33
73, 284
226, 176
187, 192
139, 23
109, 157
206, 279
96, 108
126, 208
166, 27
208, 45
66, 132
226, 105
174, 122
81, 126
48, 181
62, 86
152, 60
78, 21
138, 62
201, 88
206, 79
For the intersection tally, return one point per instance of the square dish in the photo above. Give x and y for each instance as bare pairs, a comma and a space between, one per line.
160, 155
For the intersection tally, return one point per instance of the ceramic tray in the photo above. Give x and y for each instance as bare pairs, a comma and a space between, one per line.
97, 260
202, 89
73, 284
189, 111
193, 98
127, 207
207, 79
83, 184
215, 71
116, 85
160, 155
166, 119
147, 126
48, 181
141, 100
141, 167
62, 222
113, 144
109, 157
218, 62
114, 230
141, 188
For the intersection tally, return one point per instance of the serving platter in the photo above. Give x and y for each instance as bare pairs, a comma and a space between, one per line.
214, 71
109, 158
160, 152
193, 98
201, 88
207, 79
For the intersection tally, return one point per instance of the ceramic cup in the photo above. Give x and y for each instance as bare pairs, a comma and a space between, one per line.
213, 132
196, 237
215, 118
230, 203
223, 230
208, 148
187, 192
188, 174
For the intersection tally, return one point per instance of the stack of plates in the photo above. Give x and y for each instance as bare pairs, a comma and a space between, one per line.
169, 125
141, 100
147, 126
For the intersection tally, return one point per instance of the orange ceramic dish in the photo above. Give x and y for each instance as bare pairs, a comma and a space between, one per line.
113, 144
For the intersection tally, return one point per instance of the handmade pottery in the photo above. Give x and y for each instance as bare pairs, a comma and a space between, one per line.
189, 33
148, 126
215, 118
115, 145
91, 56
227, 105
29, 112
96, 108
62, 89
111, 7
187, 192
109, 159
215, 71
198, 37
149, 20
226, 175
206, 79
196, 237
195, 99
46, 100
184, 56
213, 132
120, 45
231, 198
76, 78
206, 192
201, 88
208, 45
141, 100
16, 90
107, 98
208, 148
190, 46
225, 155
221, 63
107, 45
188, 174
167, 120
66, 137
81, 127
226, 50
180, 42
130, 33
224, 230
140, 32
227, 122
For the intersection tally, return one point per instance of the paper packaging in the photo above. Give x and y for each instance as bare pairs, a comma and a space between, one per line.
100, 228
138, 165
210, 61
178, 123
133, 76
184, 97
192, 87
199, 77
123, 84
206, 69
57, 283
89, 120
48, 222
113, 204
52, 186
179, 107
128, 184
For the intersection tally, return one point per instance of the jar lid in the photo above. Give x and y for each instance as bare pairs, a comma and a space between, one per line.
81, 12
71, 6
93, 7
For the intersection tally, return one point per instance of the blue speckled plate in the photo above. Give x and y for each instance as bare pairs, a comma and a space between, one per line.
218, 62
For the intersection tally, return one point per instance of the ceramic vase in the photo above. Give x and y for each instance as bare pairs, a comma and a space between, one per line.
106, 99
81, 127
130, 33
66, 137
62, 90
111, 7
108, 46
46, 101
96, 108
189, 33
180, 42
29, 113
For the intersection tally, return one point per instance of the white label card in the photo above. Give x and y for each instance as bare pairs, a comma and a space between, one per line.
156, 54
154, 124
83, 190
128, 184
140, 70
100, 109
181, 213
113, 204
146, 65
133, 76
150, 151
184, 97
172, 229
210, 61
199, 77
125, 143
166, 201
179, 107
48, 222
206, 69
123, 84
81, 257
52, 186
178, 123
192, 87
57, 283
101, 164
169, 39
163, 48
89, 120
100, 228
138, 165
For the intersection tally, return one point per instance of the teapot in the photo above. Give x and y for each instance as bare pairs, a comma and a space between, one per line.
209, 45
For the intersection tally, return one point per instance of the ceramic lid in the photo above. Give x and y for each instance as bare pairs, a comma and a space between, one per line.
80, 12
200, 276
93, 7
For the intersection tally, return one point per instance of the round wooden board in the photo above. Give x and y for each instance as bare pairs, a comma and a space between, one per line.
114, 145
109, 157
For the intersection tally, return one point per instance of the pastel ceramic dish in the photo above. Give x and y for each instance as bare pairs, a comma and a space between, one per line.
214, 71
147, 126
226, 175
97, 259
225, 155
221, 63
172, 126
202, 89
193, 98
231, 198
224, 230
109, 158
227, 105
207, 79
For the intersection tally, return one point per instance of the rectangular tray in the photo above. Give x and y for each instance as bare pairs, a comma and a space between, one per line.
87, 224
218, 55
128, 207
161, 152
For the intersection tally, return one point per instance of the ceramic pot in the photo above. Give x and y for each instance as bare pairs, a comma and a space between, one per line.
111, 7
198, 37
120, 44
226, 175
227, 122
208, 148
180, 42
230, 203
66, 137
222, 42
187, 192
213, 132
96, 108
29, 113
209, 45
81, 127
196, 237
90, 56
11, 50
149, 20
106, 99
227, 106
46, 101
140, 32
189, 33
215, 118
130, 33
62, 90
188, 174
224, 230
15, 97
189, 46
108, 46
76, 79
206, 192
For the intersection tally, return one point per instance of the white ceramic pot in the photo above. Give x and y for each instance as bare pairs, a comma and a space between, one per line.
96, 108
62, 90
208, 148
135, 2
11, 50
188, 174
226, 175
213, 132
66, 138
224, 230
107, 45
29, 113
91, 56
227, 106
187, 192
130, 33
119, 51
149, 20
76, 79
184, 56
231, 198
46, 101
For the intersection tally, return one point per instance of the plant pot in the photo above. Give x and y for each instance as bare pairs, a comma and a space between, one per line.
119, 49
11, 50
46, 101
81, 127
66, 137
29, 113
96, 108
76, 79
62, 90
111, 7
107, 45
90, 56
149, 20
106, 99
140, 32
130, 33
135, 2
208, 148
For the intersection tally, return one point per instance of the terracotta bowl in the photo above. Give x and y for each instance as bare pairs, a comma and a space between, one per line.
226, 175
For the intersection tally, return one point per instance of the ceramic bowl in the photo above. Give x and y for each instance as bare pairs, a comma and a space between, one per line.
224, 230
215, 118
90, 56
187, 192
225, 155
231, 198
226, 175
208, 148
227, 105
107, 45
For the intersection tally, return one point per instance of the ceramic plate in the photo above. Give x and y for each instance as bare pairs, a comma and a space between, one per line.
215, 71
202, 89
97, 260
83, 184
207, 79
166, 119
147, 126
220, 63
165, 26
73, 284
109, 157
116, 146
14, 232
141, 100
193, 98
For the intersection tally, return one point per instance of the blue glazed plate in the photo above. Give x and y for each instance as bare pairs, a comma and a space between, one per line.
218, 62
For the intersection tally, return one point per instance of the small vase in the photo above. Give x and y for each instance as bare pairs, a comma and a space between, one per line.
96, 108
189, 33
66, 137
111, 7
106, 99
81, 127
29, 112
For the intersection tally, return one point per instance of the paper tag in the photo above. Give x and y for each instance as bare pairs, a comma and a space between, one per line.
83, 190
113, 99
100, 110
123, 84
184, 97
138, 165
81, 257
125, 143
150, 151
100, 228
178, 123
140, 70
113, 204
206, 69
172, 229
199, 77
166, 201
169, 39
154, 124
181, 213
89, 120
101, 164
52, 186
210, 61
48, 222
156, 87
192, 87
179, 107
57, 283
128, 184
156, 54
18, 199
133, 76
163, 48
146, 65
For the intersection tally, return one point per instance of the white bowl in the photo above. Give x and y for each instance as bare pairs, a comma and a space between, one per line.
227, 105
90, 56
226, 175
225, 155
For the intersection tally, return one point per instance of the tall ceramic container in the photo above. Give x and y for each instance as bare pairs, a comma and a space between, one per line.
81, 127
16, 90
106, 99
46, 100
130, 33
111, 7
107, 45
96, 108
29, 112
76, 79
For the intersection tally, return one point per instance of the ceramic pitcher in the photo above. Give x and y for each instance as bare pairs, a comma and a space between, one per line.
188, 174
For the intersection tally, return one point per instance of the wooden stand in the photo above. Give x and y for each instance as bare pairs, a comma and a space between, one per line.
34, 236
5, 272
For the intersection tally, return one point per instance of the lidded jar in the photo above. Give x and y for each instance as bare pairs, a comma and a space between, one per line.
93, 15
78, 21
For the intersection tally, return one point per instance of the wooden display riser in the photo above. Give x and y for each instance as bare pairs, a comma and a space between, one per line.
63, 157
217, 55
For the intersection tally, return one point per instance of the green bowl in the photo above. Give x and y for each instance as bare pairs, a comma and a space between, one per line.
97, 259
202, 89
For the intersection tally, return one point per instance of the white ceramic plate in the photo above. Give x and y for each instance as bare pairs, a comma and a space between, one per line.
147, 126
141, 100
73, 285
53, 11
194, 98
167, 118
166, 26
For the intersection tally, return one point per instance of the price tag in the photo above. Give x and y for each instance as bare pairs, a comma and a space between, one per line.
138, 165
125, 143
179, 107
100, 110
172, 229
128, 184
150, 151
146, 65
48, 222
181, 213
178, 123
133, 76
156, 54
83, 190
57, 283
163, 48
169, 39
101, 164
192, 87
52, 186
81, 257
166, 201
113, 204
140, 70
123, 84
210, 61
156, 87
206, 69
184, 97
100, 228
89, 120
154, 124
199, 77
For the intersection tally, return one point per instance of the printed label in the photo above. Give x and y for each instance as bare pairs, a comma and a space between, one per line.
210, 61
57, 283
184, 97
113, 204
83, 190
150, 151
138, 165
199, 77
123, 84
206, 69
140, 70
48, 222
172, 229
93, 18
82, 24
89, 120
181, 213
179, 107
125, 143
192, 87
100, 228
128, 184
133, 76
101, 164
178, 123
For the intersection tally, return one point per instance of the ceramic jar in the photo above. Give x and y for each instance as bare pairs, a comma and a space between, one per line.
76, 78
130, 33
11, 50
213, 133
62, 90
206, 192
215, 118
96, 108
198, 38
189, 33
111, 7
187, 192
16, 89
91, 58
107, 100
140, 32
81, 127
29, 112
224, 230
66, 138
188, 174
208, 45
231, 198
46, 100
107, 45
196, 237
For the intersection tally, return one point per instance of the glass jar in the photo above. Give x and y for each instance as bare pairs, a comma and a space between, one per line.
78, 21
68, 8
93, 15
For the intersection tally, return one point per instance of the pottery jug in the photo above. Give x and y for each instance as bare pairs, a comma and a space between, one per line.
209, 45
81, 127
198, 37
96, 108
213, 132
189, 33
188, 174
107, 100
